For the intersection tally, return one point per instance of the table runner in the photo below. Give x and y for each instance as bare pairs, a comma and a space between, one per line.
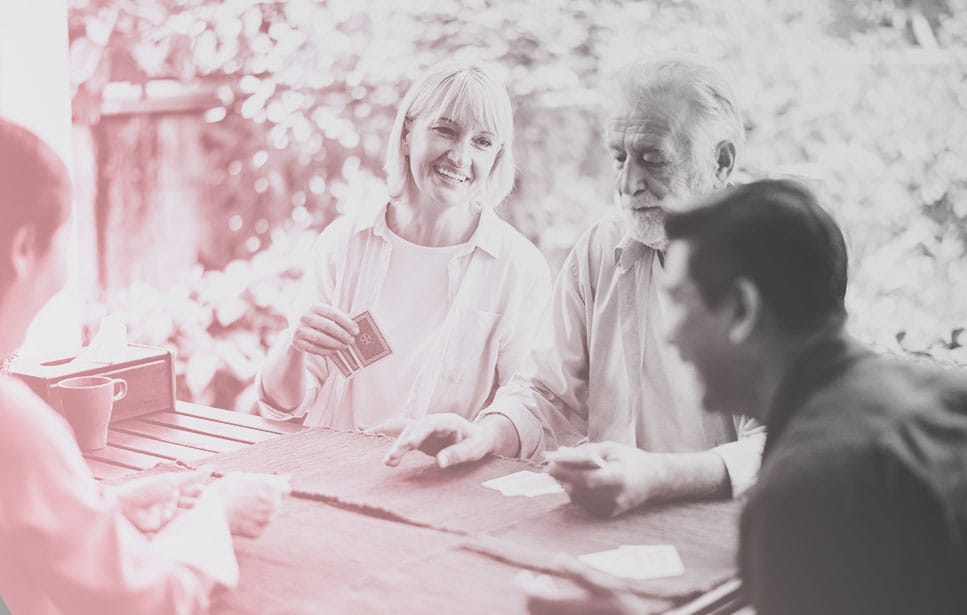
311, 552
346, 468
316, 558
705, 534
356, 533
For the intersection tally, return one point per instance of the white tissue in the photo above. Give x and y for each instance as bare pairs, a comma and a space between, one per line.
109, 344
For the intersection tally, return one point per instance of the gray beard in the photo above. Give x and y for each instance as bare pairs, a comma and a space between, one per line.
647, 227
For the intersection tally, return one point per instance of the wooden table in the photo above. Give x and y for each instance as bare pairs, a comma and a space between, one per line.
356, 536
188, 433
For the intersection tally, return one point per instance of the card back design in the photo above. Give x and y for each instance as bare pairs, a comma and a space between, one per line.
370, 345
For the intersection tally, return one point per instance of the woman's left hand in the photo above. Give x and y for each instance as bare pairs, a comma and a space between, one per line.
151, 502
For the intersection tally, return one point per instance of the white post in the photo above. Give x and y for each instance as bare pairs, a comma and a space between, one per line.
35, 92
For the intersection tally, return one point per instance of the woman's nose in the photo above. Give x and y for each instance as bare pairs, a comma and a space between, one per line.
458, 153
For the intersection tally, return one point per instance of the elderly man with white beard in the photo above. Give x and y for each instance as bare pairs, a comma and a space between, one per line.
604, 378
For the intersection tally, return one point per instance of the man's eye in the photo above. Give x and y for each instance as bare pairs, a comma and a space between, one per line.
619, 157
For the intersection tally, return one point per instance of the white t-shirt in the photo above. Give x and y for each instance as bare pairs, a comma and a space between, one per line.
410, 308
471, 313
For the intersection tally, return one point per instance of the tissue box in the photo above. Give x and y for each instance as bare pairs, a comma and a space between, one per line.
149, 372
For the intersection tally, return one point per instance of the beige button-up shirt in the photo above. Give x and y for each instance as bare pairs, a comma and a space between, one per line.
602, 369
498, 286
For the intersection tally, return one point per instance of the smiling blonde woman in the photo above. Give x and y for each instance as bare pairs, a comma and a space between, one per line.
456, 291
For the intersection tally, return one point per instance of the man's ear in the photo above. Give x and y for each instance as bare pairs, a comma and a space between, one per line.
724, 162
23, 250
746, 310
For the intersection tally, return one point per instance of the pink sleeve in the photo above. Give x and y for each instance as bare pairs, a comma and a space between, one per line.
68, 546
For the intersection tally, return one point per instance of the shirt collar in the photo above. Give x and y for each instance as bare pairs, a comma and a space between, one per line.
486, 236
821, 360
628, 251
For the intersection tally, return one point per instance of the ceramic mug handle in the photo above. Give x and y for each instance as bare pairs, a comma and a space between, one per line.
119, 391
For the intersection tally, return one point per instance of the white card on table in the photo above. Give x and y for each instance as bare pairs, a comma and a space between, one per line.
640, 562
530, 484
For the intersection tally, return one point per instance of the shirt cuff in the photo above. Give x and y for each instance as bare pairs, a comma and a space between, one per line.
529, 429
742, 460
269, 410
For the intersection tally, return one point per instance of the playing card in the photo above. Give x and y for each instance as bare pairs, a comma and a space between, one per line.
349, 358
576, 457
640, 562
370, 345
526, 483
340, 365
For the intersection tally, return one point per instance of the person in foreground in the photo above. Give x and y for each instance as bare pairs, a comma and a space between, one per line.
605, 374
861, 504
69, 544
456, 291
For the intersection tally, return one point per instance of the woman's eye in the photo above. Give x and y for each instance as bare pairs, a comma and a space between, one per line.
484, 142
446, 131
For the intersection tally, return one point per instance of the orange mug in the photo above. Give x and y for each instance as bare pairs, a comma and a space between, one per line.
86, 402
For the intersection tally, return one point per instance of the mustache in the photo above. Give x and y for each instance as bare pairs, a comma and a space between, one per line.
648, 202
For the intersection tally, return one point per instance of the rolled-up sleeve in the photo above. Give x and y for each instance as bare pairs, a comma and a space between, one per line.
744, 456
72, 546
549, 393
316, 373
317, 285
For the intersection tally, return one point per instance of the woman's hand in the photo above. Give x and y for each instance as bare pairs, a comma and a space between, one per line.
323, 330
151, 502
249, 500
449, 437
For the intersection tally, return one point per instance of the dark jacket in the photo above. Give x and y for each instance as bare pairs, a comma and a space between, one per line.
861, 504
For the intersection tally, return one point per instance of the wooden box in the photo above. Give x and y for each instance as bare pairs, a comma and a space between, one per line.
149, 372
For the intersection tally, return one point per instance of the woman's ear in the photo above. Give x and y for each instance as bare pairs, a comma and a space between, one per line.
746, 310
405, 136
23, 251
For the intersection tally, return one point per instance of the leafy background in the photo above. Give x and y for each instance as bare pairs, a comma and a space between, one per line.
220, 137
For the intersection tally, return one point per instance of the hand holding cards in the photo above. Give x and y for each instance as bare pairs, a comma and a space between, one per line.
367, 347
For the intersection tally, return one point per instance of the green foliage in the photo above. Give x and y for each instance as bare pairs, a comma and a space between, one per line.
865, 101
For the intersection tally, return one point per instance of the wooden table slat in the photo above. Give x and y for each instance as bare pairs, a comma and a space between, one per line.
151, 446
204, 442
245, 435
237, 418
107, 471
123, 457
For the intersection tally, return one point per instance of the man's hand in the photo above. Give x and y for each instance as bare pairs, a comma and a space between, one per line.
249, 500
627, 477
152, 501
322, 330
609, 478
591, 592
449, 437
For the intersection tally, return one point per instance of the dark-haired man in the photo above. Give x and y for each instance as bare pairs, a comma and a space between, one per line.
861, 504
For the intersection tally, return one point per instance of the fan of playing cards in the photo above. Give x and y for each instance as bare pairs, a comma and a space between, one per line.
367, 347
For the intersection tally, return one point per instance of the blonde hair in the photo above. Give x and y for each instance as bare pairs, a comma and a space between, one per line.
471, 91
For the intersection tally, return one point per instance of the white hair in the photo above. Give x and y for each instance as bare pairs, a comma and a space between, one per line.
692, 81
